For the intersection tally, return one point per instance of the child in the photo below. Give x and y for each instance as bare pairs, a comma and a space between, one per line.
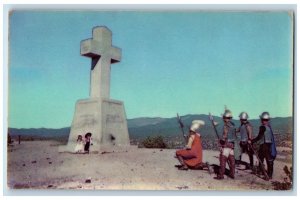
88, 142
80, 145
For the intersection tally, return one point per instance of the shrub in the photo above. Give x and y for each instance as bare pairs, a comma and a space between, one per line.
154, 142
287, 183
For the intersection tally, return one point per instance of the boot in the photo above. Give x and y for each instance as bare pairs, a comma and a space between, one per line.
180, 159
218, 177
270, 169
231, 166
184, 166
222, 167
251, 160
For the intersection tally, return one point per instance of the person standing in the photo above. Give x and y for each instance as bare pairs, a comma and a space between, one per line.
88, 142
230, 136
191, 156
79, 148
246, 130
267, 147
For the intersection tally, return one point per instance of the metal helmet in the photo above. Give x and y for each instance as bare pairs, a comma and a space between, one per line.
244, 115
227, 114
265, 115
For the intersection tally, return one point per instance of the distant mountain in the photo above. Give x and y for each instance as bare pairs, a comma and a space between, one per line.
41, 133
144, 121
167, 127
170, 126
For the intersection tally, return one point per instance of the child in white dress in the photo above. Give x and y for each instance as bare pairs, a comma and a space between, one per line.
80, 145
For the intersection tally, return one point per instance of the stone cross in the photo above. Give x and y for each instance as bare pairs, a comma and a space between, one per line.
105, 118
100, 49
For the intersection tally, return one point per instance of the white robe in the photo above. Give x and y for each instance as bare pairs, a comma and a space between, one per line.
79, 148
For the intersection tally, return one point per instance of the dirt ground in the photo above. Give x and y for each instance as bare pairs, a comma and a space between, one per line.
39, 165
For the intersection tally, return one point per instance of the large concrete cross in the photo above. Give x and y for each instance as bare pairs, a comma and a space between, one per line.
105, 118
100, 49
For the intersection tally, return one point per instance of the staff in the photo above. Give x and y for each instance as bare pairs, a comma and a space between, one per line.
213, 124
261, 163
182, 127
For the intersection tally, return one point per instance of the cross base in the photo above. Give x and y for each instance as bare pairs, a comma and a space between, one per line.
105, 119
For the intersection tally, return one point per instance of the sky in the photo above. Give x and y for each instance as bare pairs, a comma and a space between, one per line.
172, 62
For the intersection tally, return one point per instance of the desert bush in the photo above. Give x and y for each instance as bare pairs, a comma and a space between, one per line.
154, 142
287, 183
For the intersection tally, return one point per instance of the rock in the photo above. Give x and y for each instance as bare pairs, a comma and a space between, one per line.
23, 165
33, 161
88, 180
50, 163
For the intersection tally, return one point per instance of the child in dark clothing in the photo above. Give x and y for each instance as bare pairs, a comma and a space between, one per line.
88, 142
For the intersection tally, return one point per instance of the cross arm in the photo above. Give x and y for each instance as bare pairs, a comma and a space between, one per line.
93, 48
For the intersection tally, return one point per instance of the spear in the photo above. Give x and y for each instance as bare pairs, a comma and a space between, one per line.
182, 127
213, 124
261, 163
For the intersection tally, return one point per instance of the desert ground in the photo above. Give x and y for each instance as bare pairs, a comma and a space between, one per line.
39, 165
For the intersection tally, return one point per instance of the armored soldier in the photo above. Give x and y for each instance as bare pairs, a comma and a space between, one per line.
246, 130
265, 139
227, 146
230, 136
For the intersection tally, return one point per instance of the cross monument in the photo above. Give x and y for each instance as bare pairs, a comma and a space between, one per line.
103, 117
102, 53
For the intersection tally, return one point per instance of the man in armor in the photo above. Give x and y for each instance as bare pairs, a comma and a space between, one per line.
227, 146
265, 139
246, 130
230, 136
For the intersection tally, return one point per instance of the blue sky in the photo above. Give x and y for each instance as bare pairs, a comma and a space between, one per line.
185, 62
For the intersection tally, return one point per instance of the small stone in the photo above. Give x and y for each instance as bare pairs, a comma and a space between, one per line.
50, 163
23, 165
33, 161
88, 181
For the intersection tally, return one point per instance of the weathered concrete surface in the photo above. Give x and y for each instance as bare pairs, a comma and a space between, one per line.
114, 124
105, 119
102, 53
